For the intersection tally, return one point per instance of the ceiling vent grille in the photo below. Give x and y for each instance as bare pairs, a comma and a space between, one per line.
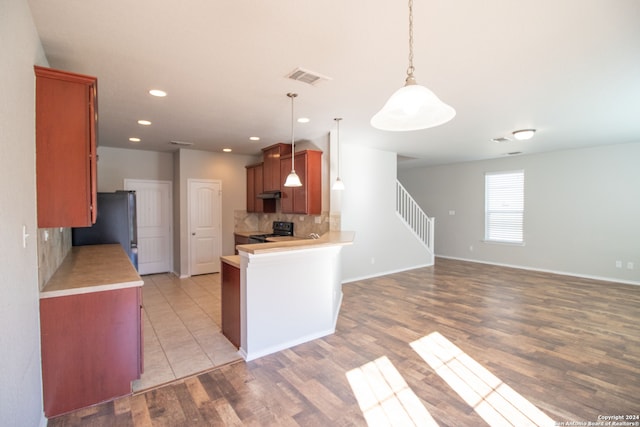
501, 139
306, 76
182, 143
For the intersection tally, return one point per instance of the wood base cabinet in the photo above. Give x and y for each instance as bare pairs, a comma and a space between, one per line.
230, 303
91, 348
66, 123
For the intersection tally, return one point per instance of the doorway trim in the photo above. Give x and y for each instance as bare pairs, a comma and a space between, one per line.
217, 213
168, 213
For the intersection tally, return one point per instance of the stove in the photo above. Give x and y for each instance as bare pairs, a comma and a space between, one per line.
280, 228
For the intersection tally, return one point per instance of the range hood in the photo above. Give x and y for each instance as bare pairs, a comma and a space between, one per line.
269, 195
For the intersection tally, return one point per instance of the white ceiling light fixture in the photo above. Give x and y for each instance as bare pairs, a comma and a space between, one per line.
338, 185
254, 138
144, 122
157, 92
413, 106
134, 139
523, 134
293, 180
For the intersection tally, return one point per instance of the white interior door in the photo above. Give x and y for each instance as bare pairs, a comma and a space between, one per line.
154, 218
205, 246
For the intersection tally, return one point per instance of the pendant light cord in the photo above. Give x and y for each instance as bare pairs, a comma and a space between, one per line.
338, 135
410, 69
293, 149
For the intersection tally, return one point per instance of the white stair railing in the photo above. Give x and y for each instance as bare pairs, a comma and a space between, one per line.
415, 217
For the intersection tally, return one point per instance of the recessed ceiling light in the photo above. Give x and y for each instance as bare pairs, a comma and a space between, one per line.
254, 138
523, 134
133, 139
303, 120
144, 122
158, 93
227, 150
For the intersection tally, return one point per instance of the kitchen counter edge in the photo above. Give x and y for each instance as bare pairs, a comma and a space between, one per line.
331, 238
92, 268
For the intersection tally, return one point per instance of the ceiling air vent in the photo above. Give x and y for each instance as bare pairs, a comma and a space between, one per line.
181, 143
306, 76
500, 139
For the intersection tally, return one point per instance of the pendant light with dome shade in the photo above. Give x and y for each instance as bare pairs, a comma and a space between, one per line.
338, 184
293, 180
413, 106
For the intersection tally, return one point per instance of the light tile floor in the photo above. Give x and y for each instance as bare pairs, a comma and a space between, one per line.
182, 334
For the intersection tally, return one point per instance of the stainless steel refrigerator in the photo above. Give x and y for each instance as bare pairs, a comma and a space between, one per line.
116, 223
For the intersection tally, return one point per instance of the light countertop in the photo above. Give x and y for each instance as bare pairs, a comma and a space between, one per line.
233, 260
92, 268
331, 238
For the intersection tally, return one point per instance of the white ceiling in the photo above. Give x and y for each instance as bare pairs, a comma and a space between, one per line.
569, 68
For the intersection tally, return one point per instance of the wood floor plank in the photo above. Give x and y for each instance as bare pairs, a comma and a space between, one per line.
570, 346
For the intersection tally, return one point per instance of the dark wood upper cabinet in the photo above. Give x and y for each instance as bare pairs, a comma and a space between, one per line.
308, 198
254, 187
273, 180
66, 142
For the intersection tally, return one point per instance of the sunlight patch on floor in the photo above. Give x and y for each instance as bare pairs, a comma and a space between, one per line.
497, 403
384, 397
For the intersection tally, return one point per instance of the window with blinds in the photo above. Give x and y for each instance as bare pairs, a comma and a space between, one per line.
504, 206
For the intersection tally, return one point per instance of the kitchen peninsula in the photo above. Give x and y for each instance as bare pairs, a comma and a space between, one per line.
290, 291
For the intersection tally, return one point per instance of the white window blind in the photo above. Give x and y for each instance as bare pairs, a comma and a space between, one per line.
504, 206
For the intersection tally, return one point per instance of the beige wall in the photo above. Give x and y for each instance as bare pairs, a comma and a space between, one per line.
227, 168
20, 372
581, 210
117, 164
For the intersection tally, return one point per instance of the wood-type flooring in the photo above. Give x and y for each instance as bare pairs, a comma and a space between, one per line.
456, 344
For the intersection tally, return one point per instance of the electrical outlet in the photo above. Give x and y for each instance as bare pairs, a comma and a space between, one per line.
629, 265
373, 260
318, 219
452, 212
618, 264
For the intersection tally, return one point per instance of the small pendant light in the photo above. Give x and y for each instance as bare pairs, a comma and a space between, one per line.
413, 106
293, 180
338, 185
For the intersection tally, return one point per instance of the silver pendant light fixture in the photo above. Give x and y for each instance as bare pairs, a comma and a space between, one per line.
293, 180
413, 106
338, 184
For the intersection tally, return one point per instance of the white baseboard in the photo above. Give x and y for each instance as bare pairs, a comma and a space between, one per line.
385, 273
284, 345
543, 270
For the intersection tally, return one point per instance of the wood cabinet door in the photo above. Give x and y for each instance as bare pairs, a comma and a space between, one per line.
258, 185
300, 193
286, 193
251, 189
65, 148
307, 199
271, 170
91, 348
230, 303
273, 179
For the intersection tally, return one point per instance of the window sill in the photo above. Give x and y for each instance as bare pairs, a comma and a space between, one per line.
502, 242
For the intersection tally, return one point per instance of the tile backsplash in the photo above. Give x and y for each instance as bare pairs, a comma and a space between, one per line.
303, 224
53, 245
